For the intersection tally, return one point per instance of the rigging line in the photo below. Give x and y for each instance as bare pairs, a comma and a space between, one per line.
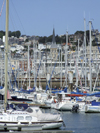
15, 77
53, 69
2, 18
2, 7
18, 17
39, 67
77, 72
12, 23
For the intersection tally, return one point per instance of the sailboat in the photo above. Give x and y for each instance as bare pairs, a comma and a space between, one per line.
23, 120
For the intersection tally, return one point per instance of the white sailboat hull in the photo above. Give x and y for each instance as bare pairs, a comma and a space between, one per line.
92, 109
52, 126
65, 106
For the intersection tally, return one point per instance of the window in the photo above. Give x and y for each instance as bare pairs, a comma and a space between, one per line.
20, 118
37, 110
29, 110
28, 118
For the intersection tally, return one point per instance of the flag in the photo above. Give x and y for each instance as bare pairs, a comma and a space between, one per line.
8, 95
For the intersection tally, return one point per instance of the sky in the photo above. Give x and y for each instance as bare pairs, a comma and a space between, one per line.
39, 17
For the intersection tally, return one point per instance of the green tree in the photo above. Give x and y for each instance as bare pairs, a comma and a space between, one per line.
63, 39
13, 33
79, 32
58, 40
18, 34
1, 35
43, 39
49, 38
10, 33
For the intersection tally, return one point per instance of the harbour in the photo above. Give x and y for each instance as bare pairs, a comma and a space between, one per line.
50, 87
75, 122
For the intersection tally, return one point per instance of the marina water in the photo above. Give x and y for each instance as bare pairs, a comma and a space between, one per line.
81, 122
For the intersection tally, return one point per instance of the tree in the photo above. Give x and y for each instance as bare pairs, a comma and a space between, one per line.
79, 32
18, 34
49, 39
1, 35
58, 40
10, 33
43, 39
13, 33
63, 39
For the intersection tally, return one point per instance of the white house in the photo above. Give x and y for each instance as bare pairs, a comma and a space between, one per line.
16, 47
41, 46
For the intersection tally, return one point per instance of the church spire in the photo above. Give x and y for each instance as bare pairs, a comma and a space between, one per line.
53, 44
53, 37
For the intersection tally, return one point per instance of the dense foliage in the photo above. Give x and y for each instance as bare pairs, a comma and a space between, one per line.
14, 33
59, 39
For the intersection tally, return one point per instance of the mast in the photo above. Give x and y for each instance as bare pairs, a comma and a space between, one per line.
28, 67
51, 68
77, 61
90, 58
85, 48
6, 54
61, 69
66, 55
34, 63
39, 68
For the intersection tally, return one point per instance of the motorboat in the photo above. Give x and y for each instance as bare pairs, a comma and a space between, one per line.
92, 107
50, 121
18, 120
32, 117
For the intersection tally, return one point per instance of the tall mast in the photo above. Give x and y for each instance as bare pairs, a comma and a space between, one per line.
6, 53
39, 68
28, 67
85, 48
66, 56
61, 69
77, 61
90, 58
34, 63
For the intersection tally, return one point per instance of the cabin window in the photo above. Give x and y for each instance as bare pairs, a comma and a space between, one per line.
1, 118
36, 110
28, 118
20, 118
29, 110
